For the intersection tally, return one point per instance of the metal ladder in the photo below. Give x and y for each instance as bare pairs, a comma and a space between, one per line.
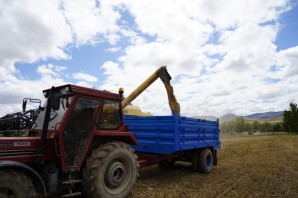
70, 183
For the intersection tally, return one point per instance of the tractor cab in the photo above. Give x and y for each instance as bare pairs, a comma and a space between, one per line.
84, 103
79, 119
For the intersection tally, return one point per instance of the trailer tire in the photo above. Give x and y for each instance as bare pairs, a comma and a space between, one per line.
202, 160
110, 171
205, 161
15, 184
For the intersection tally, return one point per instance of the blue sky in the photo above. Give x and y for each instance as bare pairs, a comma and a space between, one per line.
221, 55
287, 37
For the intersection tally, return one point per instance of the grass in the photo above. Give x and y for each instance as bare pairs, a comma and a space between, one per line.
251, 166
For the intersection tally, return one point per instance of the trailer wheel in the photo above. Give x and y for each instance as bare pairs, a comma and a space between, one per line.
110, 171
202, 160
14, 184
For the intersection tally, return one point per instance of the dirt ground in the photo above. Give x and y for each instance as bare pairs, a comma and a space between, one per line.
251, 166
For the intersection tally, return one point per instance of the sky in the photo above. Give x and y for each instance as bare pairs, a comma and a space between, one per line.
228, 56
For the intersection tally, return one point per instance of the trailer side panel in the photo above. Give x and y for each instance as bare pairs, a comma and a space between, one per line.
168, 134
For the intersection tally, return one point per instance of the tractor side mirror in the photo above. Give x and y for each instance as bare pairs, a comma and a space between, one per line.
24, 105
56, 102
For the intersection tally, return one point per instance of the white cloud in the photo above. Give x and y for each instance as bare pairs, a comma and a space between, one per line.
46, 70
220, 56
114, 49
84, 84
219, 53
233, 13
248, 47
16, 89
170, 23
88, 18
84, 77
286, 61
50, 70
32, 30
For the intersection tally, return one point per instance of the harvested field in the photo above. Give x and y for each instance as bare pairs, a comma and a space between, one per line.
251, 166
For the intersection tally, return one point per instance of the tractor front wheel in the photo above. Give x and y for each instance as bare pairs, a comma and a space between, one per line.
110, 171
14, 184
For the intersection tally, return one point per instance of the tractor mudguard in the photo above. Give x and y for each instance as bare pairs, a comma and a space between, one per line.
103, 137
34, 176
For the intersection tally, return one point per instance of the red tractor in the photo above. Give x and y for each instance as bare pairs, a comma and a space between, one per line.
78, 137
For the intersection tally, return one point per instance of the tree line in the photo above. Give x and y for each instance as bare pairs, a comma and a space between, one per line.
289, 124
240, 126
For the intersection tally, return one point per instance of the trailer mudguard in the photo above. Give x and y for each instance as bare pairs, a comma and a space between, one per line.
35, 177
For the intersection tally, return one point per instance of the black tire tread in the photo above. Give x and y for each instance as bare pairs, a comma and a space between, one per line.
94, 162
202, 160
17, 177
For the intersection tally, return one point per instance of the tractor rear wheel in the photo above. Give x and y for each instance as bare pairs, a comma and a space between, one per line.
110, 171
14, 184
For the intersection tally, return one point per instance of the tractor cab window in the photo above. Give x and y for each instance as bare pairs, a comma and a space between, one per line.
110, 117
55, 116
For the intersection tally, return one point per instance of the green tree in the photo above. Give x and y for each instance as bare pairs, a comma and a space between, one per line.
291, 119
255, 126
277, 127
240, 124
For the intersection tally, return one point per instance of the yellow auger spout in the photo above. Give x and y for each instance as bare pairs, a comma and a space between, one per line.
163, 74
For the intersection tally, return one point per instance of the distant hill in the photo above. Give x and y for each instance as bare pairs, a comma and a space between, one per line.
278, 118
272, 116
266, 115
228, 117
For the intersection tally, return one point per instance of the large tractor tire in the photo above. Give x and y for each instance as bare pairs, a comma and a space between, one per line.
202, 160
110, 171
14, 184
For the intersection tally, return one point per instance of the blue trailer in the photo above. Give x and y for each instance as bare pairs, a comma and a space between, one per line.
166, 139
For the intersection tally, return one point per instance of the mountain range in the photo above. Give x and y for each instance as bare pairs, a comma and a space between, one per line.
271, 116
